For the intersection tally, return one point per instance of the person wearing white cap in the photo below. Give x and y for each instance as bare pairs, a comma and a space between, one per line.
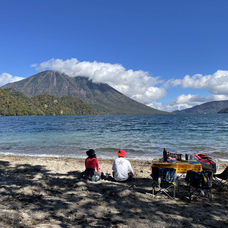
122, 170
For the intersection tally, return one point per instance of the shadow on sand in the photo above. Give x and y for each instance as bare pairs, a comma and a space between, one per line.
32, 196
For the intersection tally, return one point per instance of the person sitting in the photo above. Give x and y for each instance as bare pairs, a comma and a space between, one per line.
122, 170
91, 165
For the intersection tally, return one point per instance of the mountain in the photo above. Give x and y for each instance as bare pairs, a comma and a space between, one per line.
209, 107
101, 97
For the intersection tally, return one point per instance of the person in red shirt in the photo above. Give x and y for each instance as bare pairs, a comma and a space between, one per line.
91, 161
92, 167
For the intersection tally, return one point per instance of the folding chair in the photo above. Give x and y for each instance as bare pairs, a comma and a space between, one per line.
164, 179
222, 178
200, 184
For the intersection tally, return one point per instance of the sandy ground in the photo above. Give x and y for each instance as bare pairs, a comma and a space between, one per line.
47, 192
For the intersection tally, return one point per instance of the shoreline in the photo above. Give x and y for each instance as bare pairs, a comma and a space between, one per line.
60, 164
221, 161
47, 192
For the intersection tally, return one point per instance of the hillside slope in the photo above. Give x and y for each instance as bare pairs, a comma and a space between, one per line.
11, 106
14, 103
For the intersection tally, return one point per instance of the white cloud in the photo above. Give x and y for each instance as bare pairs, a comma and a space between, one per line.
137, 85
216, 83
157, 105
6, 78
185, 101
188, 101
220, 97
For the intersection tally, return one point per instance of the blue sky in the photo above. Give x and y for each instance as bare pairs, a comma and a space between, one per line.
166, 54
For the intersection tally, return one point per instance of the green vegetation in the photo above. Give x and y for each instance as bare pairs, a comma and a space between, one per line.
11, 106
51, 105
26, 102
79, 106
14, 103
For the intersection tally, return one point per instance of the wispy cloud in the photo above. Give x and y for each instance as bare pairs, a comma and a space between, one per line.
185, 101
216, 84
8, 78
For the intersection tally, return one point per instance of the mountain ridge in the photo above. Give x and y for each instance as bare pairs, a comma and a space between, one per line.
205, 108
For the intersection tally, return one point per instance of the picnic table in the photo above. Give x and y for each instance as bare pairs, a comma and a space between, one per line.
181, 166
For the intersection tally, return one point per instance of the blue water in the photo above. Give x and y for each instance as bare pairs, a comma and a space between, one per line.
143, 137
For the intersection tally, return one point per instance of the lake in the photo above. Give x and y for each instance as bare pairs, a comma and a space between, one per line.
143, 137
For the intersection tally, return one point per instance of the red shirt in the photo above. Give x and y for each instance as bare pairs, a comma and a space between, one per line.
92, 163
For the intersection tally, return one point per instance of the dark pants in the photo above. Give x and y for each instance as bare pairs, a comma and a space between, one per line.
90, 174
130, 177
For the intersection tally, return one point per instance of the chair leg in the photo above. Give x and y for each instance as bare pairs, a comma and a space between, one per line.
166, 190
208, 195
154, 185
192, 193
153, 189
221, 183
195, 193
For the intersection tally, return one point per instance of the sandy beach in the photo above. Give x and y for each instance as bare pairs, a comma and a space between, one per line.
47, 192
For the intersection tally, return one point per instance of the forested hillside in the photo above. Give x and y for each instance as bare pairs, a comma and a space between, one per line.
14, 103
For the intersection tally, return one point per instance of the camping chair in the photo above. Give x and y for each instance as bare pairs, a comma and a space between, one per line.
200, 184
164, 179
222, 178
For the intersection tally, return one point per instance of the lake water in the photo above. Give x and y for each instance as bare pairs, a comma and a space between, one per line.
143, 137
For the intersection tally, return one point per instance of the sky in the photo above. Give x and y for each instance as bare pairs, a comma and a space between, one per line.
169, 55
